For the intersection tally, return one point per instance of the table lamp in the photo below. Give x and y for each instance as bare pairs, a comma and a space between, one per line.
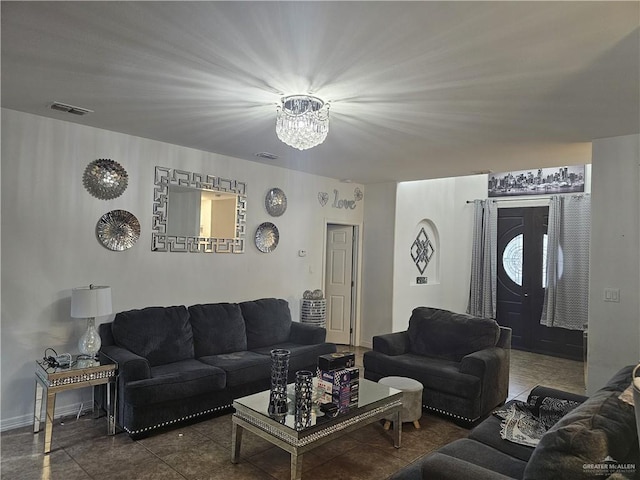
90, 302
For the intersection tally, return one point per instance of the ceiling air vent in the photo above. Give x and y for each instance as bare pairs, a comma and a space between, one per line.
267, 155
63, 107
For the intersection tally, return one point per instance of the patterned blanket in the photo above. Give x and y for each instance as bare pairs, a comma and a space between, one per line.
526, 422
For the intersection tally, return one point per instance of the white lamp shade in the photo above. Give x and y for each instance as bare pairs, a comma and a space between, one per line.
90, 302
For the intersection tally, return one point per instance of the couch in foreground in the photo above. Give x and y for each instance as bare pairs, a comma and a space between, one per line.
178, 363
462, 361
596, 440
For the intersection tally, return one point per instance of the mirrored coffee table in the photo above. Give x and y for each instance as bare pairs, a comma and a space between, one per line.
299, 435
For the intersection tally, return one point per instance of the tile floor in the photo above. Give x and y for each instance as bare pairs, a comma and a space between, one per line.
82, 451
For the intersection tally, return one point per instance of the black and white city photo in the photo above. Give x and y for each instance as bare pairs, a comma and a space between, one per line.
543, 181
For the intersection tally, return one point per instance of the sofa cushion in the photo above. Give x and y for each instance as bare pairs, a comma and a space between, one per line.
440, 333
175, 381
484, 456
241, 367
268, 321
302, 356
159, 334
488, 432
600, 430
434, 373
217, 328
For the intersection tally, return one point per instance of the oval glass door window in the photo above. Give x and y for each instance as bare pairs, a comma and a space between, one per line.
512, 259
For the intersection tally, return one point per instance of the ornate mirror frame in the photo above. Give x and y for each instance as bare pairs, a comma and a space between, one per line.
161, 242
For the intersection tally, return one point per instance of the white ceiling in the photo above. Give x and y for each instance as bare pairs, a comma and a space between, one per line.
417, 89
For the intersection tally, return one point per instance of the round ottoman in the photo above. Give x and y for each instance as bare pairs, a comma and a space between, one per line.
411, 399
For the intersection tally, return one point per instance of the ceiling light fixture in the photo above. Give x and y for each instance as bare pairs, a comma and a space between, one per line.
302, 121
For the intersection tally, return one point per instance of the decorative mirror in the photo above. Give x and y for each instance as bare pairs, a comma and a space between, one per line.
194, 212
105, 179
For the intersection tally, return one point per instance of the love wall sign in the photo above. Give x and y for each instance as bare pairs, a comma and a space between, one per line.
347, 204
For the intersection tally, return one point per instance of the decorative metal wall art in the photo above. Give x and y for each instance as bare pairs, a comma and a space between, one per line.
323, 198
118, 230
422, 250
267, 237
275, 202
163, 242
345, 203
105, 179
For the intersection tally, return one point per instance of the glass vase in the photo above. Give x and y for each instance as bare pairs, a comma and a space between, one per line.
89, 344
279, 374
303, 399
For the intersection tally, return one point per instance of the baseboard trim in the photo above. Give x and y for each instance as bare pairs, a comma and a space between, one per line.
366, 344
26, 420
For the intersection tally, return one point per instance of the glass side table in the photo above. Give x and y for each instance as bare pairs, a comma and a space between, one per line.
81, 374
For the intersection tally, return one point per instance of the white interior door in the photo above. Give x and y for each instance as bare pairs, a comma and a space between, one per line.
339, 283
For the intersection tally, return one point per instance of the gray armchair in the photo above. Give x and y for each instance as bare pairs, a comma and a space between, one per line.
462, 361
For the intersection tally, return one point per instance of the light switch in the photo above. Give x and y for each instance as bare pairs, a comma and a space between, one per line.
612, 295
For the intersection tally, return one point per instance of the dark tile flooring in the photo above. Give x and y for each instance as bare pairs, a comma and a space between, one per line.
82, 450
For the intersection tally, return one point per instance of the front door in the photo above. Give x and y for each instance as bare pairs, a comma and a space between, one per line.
521, 284
339, 283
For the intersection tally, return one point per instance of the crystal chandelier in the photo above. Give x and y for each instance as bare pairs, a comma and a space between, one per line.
302, 121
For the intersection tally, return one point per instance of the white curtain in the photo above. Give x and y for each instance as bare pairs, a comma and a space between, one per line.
566, 298
482, 292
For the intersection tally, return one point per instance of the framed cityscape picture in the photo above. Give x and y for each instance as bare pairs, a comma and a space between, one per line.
541, 181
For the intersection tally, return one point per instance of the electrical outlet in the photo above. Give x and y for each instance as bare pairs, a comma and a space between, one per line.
612, 295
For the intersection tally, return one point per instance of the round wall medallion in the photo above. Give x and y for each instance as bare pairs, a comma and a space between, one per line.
105, 179
267, 237
118, 230
275, 202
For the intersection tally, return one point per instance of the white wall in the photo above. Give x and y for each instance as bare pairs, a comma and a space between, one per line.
614, 328
378, 252
443, 202
49, 242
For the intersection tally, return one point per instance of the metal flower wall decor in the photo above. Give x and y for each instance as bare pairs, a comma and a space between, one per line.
275, 202
105, 179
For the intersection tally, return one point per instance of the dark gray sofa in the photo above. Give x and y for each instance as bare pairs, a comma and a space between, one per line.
596, 440
462, 361
177, 363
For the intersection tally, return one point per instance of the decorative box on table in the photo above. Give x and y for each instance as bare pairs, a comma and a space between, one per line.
338, 380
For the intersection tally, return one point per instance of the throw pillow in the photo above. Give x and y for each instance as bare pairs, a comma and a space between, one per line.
159, 334
596, 439
217, 328
268, 322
